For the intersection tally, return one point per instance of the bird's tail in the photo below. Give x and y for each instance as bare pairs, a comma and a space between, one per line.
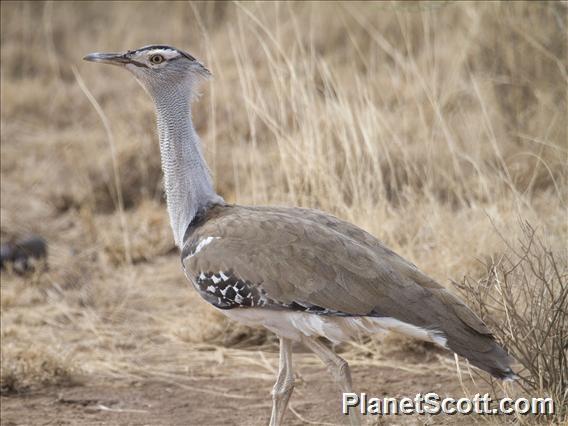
450, 324
468, 336
485, 353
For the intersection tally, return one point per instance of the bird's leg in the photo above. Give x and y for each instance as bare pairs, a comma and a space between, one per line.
284, 383
339, 369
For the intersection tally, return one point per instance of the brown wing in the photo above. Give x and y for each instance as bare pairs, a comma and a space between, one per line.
306, 258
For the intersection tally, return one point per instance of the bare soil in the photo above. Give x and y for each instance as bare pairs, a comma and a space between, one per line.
241, 402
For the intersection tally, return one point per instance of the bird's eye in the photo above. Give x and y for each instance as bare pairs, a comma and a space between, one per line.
156, 59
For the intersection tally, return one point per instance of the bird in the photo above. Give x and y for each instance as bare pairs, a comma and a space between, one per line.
301, 273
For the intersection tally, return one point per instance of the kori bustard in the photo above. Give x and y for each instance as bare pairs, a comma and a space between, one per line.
301, 273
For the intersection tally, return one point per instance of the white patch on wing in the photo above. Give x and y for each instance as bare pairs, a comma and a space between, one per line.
393, 324
202, 244
293, 325
439, 338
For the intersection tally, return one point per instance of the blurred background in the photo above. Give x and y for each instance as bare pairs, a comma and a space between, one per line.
439, 127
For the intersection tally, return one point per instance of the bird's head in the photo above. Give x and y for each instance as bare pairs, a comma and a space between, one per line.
157, 67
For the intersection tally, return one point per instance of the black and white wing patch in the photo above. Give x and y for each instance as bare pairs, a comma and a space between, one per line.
224, 291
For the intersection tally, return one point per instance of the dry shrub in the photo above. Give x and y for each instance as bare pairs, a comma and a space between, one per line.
23, 369
523, 298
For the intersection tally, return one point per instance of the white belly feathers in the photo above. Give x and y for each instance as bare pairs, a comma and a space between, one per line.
293, 325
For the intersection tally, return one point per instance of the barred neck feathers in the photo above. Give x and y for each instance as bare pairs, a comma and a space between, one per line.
188, 184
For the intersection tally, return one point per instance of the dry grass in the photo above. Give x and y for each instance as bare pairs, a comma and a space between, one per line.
426, 124
33, 366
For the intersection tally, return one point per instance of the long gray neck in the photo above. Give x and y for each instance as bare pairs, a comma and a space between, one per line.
188, 183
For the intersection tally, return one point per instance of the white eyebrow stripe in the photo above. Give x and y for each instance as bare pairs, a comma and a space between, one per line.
166, 53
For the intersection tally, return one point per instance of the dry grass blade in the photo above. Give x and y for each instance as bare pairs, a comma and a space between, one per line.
116, 172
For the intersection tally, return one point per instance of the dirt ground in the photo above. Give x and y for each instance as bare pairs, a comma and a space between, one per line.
223, 400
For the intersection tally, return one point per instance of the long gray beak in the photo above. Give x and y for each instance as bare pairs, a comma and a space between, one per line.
108, 58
